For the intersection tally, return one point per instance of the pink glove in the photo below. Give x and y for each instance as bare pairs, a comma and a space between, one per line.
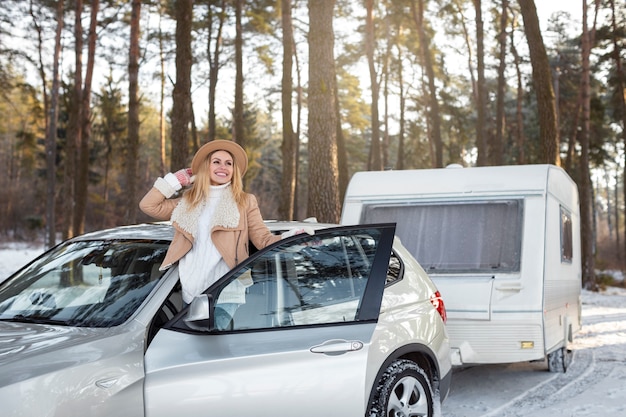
184, 176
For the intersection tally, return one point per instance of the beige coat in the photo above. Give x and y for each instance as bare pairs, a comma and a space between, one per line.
232, 228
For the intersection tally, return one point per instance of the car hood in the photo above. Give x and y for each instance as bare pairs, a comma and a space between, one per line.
27, 349
18, 340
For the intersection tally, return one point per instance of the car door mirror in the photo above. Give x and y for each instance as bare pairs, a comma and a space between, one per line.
199, 313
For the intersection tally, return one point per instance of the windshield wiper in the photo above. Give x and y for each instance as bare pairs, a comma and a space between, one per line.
20, 318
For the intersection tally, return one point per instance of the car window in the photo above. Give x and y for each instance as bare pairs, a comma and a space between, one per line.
396, 269
85, 283
299, 283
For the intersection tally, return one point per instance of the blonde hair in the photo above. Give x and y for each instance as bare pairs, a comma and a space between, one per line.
201, 187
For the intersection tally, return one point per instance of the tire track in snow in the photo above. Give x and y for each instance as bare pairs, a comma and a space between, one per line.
603, 318
582, 372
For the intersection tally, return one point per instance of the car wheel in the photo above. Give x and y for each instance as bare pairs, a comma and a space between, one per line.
404, 390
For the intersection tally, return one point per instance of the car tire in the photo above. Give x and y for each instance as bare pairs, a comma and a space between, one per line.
559, 360
404, 389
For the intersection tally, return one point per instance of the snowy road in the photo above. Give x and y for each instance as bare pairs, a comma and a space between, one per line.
594, 385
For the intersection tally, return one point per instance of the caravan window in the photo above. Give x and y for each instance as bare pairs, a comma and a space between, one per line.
483, 236
566, 236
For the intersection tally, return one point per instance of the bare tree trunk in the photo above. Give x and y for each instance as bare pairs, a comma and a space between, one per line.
609, 200
194, 128
51, 137
74, 127
107, 136
571, 143
40, 64
342, 153
290, 144
496, 153
82, 176
181, 96
433, 101
323, 201
239, 123
481, 89
299, 101
402, 98
520, 139
619, 70
542, 78
620, 255
375, 162
587, 239
386, 75
51, 132
162, 152
132, 151
214, 63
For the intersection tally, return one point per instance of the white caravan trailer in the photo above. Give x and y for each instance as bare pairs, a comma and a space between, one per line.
502, 244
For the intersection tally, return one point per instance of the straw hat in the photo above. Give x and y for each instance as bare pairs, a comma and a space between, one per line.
238, 153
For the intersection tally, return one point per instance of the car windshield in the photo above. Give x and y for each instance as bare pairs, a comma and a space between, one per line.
97, 283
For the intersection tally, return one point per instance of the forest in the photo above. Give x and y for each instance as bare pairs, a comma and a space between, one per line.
100, 97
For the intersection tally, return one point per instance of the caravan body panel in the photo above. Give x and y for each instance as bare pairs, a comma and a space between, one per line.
501, 243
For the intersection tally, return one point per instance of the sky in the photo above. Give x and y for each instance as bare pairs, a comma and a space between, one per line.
545, 8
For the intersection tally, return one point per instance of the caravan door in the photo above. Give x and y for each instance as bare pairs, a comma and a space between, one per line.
465, 246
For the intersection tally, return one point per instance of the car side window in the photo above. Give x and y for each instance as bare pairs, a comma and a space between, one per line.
394, 273
308, 281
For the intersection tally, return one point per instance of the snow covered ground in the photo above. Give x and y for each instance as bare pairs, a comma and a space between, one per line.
594, 385
15, 255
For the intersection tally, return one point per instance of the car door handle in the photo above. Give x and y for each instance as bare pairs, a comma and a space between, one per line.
337, 347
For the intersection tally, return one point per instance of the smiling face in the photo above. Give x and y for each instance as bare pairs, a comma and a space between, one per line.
221, 167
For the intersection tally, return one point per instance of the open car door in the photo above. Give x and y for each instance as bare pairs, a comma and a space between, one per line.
286, 332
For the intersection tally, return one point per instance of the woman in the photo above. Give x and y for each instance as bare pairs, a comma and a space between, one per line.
213, 220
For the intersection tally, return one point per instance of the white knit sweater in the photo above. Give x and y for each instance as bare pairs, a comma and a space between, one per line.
203, 264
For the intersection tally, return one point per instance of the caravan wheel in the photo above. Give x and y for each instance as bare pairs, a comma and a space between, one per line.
559, 360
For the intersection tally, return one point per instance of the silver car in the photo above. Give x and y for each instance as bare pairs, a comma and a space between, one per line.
340, 323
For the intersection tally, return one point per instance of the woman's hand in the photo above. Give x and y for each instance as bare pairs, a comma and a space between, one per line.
179, 179
184, 177
297, 231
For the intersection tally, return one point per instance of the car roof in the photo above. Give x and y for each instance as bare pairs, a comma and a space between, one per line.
152, 231
283, 225
165, 231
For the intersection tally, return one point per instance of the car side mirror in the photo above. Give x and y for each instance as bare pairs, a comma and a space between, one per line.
199, 313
